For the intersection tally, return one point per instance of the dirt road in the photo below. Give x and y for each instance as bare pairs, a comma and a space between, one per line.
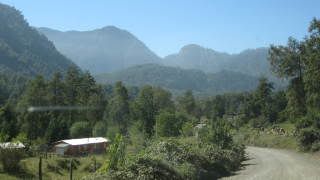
274, 164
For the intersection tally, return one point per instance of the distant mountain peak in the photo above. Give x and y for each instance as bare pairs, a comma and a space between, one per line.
195, 48
102, 50
192, 46
111, 28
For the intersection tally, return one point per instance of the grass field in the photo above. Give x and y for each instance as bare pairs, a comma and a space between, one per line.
255, 137
55, 168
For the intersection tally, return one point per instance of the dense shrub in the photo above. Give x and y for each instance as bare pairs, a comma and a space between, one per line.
308, 136
187, 129
176, 158
219, 134
10, 159
315, 146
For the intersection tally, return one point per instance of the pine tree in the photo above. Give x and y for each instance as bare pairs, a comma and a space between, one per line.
119, 111
289, 62
187, 102
146, 109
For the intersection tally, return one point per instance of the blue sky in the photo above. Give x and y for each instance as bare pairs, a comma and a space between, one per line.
167, 25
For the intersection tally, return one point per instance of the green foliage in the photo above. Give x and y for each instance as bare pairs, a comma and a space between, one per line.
315, 146
116, 155
21, 137
10, 159
219, 134
296, 99
187, 102
23, 51
308, 136
176, 159
56, 130
187, 129
119, 108
8, 122
163, 99
146, 110
312, 65
99, 129
300, 62
137, 137
167, 124
80, 129
178, 80
64, 163
38, 116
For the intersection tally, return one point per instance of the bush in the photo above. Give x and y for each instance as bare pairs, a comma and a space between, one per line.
187, 129
315, 146
258, 122
10, 159
219, 134
307, 137
303, 122
92, 166
173, 158
147, 168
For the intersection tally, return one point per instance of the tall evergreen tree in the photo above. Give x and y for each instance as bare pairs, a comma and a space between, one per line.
312, 63
187, 102
8, 122
288, 62
263, 100
34, 123
119, 107
146, 109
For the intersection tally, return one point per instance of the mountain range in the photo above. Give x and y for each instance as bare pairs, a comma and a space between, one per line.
110, 49
252, 61
113, 54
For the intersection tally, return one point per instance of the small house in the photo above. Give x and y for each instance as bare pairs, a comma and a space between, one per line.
198, 128
83, 146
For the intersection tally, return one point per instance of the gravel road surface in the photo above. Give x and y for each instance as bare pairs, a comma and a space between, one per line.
275, 164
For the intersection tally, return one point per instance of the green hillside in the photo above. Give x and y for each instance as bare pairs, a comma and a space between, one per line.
178, 79
23, 50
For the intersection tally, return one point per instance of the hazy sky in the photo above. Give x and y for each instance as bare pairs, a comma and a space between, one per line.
167, 25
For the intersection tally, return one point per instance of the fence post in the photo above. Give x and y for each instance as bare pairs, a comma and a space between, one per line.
40, 168
71, 169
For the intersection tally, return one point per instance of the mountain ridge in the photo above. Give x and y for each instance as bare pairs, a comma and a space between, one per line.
211, 61
23, 50
178, 79
106, 49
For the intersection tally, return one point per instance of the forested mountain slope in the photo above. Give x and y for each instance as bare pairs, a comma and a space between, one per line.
23, 50
181, 79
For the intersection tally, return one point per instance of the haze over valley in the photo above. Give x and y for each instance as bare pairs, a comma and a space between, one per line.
113, 54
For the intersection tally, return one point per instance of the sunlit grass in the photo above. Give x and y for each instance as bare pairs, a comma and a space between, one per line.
30, 168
